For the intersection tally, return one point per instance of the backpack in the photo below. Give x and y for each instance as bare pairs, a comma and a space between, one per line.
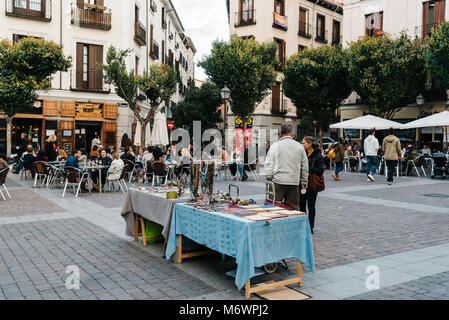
332, 154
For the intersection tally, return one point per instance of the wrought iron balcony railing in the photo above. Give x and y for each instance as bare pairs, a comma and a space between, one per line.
321, 35
305, 30
424, 31
278, 106
140, 33
96, 18
245, 18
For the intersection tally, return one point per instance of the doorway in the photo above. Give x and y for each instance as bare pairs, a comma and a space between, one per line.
33, 129
85, 132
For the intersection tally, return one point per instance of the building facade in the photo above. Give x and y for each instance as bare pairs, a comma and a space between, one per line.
79, 104
417, 18
293, 25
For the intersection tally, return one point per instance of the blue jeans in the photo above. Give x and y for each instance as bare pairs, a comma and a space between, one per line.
19, 166
339, 166
372, 163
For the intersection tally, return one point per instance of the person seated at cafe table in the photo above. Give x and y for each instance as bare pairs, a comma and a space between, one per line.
73, 160
412, 155
115, 170
129, 155
105, 162
426, 151
94, 154
351, 157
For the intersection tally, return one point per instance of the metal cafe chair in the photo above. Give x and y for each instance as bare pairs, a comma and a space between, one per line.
420, 161
28, 166
160, 172
74, 177
41, 171
120, 181
3, 174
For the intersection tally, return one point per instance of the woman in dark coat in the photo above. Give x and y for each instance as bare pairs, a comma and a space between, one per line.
105, 161
50, 148
316, 167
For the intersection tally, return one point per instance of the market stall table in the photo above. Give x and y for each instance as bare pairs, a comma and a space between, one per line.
155, 207
251, 243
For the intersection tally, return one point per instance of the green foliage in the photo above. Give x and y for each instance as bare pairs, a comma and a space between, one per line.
200, 104
247, 67
115, 73
317, 82
437, 57
387, 73
25, 68
159, 83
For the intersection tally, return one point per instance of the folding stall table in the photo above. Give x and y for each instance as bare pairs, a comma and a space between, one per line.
251, 243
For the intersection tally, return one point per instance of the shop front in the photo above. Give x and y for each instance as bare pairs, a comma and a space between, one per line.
74, 123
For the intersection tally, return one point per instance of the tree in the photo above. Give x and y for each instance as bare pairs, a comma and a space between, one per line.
200, 104
247, 67
125, 82
437, 55
317, 82
387, 73
159, 84
26, 68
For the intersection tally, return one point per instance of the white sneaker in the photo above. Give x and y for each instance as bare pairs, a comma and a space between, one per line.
368, 180
371, 177
389, 183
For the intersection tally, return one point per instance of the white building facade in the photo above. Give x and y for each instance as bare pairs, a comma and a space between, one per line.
79, 104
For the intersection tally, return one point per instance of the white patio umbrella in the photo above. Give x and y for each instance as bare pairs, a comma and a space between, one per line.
148, 134
435, 120
367, 122
138, 134
159, 136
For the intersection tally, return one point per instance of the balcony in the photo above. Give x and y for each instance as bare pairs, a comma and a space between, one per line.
154, 53
305, 30
424, 31
280, 21
245, 18
337, 39
29, 9
321, 36
140, 34
96, 17
278, 106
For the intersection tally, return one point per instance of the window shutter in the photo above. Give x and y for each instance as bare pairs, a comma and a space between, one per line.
151, 38
92, 78
99, 70
425, 18
79, 65
99, 2
80, 3
284, 48
439, 11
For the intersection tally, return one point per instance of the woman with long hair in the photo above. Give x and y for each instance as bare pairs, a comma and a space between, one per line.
51, 148
316, 167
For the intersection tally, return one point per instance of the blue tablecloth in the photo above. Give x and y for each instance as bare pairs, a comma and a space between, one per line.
253, 244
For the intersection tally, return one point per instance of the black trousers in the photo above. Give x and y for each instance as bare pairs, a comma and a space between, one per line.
391, 165
308, 200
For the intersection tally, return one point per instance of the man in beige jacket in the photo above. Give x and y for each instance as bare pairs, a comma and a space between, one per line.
287, 165
392, 149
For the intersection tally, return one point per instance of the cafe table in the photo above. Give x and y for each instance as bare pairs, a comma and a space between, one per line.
252, 243
90, 169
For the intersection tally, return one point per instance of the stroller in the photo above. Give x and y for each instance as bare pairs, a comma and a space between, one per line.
439, 165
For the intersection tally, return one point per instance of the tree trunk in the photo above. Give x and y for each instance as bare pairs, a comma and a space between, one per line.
245, 125
321, 137
8, 136
143, 133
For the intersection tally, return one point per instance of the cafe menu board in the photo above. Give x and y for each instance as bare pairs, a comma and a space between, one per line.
68, 148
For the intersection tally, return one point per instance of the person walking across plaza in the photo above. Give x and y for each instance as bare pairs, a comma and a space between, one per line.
287, 166
316, 179
392, 148
339, 158
371, 147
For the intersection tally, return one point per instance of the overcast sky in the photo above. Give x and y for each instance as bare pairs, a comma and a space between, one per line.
204, 21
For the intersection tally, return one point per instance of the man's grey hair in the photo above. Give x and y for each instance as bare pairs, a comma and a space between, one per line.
286, 129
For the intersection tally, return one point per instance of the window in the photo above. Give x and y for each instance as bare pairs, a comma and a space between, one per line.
320, 28
137, 65
35, 5
88, 74
433, 14
246, 11
336, 32
280, 52
279, 7
374, 24
303, 22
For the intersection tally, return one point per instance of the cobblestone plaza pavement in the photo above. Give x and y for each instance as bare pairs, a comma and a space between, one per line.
400, 231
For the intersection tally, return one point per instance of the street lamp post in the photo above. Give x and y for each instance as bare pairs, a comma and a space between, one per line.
419, 101
225, 96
